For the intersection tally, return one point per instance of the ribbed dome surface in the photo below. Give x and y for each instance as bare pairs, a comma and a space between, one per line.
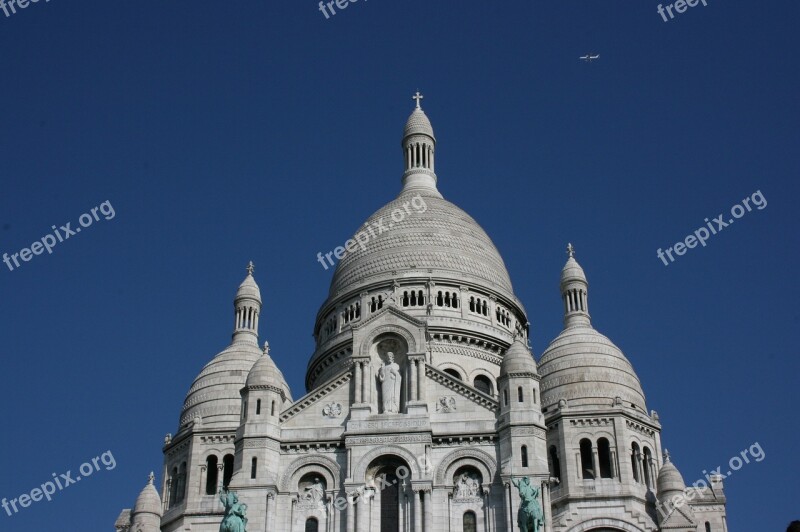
443, 239
148, 501
670, 481
266, 373
517, 359
586, 368
249, 289
214, 395
418, 124
572, 271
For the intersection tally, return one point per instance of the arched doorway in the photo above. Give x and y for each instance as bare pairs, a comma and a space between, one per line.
389, 476
312, 525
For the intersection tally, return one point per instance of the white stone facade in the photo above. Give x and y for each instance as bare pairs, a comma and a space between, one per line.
474, 410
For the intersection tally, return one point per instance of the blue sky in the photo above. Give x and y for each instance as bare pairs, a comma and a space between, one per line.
227, 132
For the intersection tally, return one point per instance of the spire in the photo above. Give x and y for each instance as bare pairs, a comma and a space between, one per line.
574, 292
247, 307
419, 147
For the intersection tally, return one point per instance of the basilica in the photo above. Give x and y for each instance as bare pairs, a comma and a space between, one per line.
425, 409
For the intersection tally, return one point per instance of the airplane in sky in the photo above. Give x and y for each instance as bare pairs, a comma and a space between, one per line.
589, 57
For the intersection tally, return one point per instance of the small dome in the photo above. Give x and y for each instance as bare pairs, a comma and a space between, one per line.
266, 373
670, 482
518, 359
418, 124
148, 501
586, 368
572, 271
249, 289
214, 396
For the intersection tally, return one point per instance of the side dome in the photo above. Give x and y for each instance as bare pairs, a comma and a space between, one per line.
431, 236
148, 501
587, 369
670, 481
266, 374
214, 394
518, 359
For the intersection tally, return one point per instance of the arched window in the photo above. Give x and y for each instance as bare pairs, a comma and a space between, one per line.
312, 525
182, 483
524, 453
258, 407
272, 409
472, 304
587, 469
211, 475
648, 457
455, 300
453, 373
227, 470
520, 396
708, 526
555, 463
505, 397
604, 457
535, 396
439, 299
173, 487
634, 460
405, 299
253, 467
470, 522
483, 383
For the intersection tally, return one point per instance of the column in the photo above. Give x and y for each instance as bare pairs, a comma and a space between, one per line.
641, 469
202, 479
595, 461
417, 510
357, 370
401, 507
548, 520
362, 507
614, 468
486, 504
369, 382
412, 370
507, 496
428, 509
421, 378
351, 514
268, 511
364, 382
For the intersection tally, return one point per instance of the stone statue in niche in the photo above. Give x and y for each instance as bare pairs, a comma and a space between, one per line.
467, 487
391, 380
314, 492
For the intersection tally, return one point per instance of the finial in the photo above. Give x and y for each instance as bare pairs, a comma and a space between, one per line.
570, 250
266, 348
251, 267
151, 478
666, 456
418, 97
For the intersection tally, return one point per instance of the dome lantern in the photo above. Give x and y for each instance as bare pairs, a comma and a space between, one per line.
419, 146
247, 305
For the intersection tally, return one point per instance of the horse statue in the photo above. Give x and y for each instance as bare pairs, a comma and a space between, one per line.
235, 518
530, 517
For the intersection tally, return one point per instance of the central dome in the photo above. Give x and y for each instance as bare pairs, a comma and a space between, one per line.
430, 236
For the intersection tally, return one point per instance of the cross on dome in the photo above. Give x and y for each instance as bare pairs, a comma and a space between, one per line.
251, 267
151, 477
418, 97
570, 250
